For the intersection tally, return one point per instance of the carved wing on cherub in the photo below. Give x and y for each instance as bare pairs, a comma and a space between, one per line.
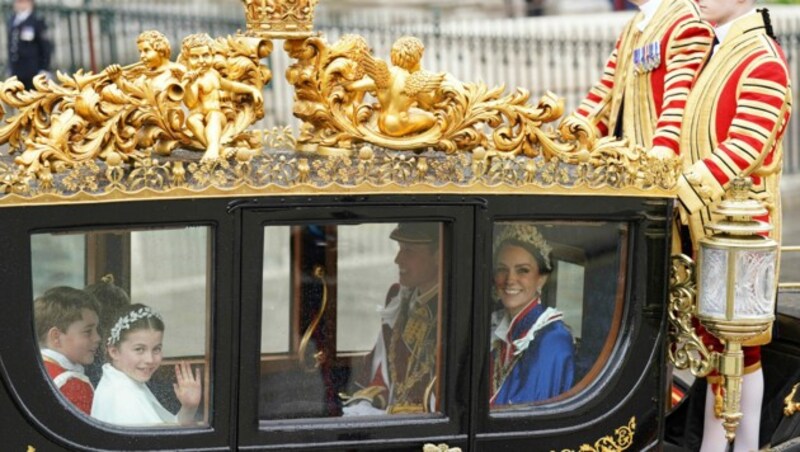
377, 70
423, 81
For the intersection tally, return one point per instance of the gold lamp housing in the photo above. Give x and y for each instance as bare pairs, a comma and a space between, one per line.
737, 288
287, 19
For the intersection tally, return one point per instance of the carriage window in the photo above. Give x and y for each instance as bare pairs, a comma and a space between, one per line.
557, 305
356, 329
122, 321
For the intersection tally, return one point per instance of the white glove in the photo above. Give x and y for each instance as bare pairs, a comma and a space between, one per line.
362, 408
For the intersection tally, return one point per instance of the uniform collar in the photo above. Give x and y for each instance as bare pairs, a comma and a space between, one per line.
61, 360
424, 297
649, 10
391, 312
737, 26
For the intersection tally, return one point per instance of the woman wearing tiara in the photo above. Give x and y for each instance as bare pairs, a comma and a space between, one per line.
134, 349
532, 355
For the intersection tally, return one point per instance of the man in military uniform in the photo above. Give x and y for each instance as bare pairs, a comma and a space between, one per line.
735, 118
642, 93
401, 369
29, 48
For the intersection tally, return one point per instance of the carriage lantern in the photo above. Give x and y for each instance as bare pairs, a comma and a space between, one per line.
737, 288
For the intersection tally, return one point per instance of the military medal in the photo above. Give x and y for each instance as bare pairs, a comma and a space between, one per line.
638, 60
647, 58
654, 55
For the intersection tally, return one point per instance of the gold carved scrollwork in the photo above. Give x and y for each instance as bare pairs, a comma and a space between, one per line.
686, 349
622, 440
128, 129
146, 174
116, 115
414, 110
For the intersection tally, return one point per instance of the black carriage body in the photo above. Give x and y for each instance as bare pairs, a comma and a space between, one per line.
624, 381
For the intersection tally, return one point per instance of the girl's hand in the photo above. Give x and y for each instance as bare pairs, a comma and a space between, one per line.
188, 387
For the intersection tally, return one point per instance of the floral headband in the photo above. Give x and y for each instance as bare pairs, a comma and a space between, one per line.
127, 320
525, 233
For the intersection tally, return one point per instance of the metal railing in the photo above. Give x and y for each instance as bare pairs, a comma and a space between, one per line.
561, 54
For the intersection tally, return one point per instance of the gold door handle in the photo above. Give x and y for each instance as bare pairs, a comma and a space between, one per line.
319, 273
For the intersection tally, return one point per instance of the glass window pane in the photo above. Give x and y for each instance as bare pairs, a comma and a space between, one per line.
57, 260
557, 299
117, 356
363, 325
363, 276
275, 286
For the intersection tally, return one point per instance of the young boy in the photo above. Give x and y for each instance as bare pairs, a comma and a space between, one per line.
66, 326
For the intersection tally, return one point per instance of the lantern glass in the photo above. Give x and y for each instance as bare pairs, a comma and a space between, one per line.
714, 282
755, 284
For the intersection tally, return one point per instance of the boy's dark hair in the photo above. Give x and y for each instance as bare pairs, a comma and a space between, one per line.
60, 307
149, 321
113, 300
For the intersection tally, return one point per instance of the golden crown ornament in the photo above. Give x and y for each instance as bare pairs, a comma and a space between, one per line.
280, 19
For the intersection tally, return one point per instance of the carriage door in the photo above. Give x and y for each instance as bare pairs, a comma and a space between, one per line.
350, 332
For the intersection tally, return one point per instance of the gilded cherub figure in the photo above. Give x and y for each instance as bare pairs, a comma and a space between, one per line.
405, 91
161, 75
160, 81
203, 86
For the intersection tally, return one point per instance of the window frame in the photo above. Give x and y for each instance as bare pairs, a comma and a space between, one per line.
457, 215
27, 379
624, 382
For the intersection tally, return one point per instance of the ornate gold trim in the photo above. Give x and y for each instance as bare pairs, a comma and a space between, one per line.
685, 348
123, 134
622, 440
282, 172
276, 19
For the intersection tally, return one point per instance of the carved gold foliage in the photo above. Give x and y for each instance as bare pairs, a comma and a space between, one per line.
686, 350
84, 176
115, 115
14, 179
413, 109
287, 169
621, 440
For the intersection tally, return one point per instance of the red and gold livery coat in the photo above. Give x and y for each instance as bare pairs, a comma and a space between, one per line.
655, 98
735, 118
